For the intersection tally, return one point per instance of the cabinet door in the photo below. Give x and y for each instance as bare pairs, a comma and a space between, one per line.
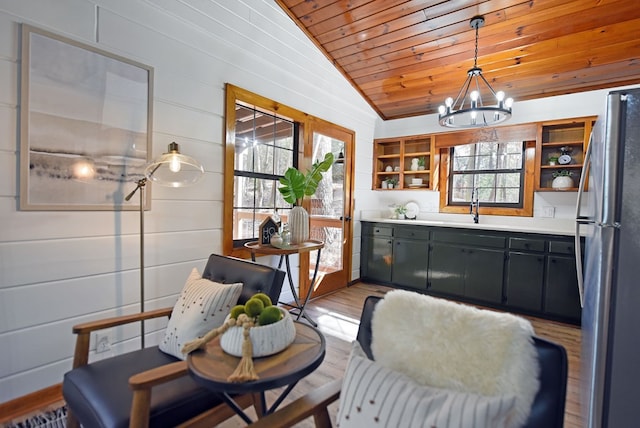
483, 276
410, 262
377, 258
446, 269
561, 293
525, 276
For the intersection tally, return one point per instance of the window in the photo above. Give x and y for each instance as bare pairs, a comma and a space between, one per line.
494, 169
265, 145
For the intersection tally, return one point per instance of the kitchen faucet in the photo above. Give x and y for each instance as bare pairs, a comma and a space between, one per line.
475, 203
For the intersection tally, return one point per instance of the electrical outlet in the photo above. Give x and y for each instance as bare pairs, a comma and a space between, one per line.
103, 341
548, 212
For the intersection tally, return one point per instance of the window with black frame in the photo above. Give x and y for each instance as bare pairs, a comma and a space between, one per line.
495, 170
265, 146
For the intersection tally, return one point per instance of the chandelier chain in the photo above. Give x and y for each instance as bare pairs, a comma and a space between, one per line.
475, 56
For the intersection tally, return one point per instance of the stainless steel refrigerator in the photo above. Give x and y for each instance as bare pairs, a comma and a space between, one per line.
608, 215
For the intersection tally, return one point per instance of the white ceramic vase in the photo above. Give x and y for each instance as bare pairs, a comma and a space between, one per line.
562, 182
299, 225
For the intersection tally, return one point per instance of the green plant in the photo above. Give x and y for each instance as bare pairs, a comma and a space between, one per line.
401, 209
553, 158
562, 173
392, 181
421, 161
295, 185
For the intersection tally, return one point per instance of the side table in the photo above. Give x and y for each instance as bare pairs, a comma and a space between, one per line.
257, 248
210, 368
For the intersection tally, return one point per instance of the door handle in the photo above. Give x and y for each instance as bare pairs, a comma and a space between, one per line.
347, 218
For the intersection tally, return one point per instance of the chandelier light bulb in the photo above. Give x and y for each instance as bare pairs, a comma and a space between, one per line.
500, 95
474, 95
442, 109
448, 102
508, 102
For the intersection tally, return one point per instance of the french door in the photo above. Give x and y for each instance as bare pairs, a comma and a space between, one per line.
330, 211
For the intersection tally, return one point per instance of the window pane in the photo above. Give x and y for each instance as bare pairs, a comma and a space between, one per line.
265, 146
479, 166
263, 158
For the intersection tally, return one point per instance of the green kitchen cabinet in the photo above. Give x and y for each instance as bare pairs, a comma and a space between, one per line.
377, 253
410, 258
524, 280
467, 264
561, 296
524, 277
446, 272
483, 276
530, 273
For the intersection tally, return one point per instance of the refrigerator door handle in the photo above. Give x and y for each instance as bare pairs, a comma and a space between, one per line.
580, 220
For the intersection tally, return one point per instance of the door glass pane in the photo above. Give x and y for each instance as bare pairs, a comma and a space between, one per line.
327, 207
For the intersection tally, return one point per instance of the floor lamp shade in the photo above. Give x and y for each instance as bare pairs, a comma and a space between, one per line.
172, 169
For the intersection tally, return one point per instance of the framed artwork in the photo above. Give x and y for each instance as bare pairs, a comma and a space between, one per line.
85, 125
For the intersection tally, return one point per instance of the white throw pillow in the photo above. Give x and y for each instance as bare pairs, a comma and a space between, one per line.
445, 344
376, 396
202, 306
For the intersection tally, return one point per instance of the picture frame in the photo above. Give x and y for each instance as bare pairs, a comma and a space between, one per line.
85, 125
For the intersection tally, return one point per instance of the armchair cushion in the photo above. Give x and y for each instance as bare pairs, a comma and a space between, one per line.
202, 306
374, 395
449, 345
100, 397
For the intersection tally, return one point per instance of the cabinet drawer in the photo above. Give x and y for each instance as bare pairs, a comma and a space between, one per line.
381, 231
369, 229
412, 233
562, 247
468, 239
525, 244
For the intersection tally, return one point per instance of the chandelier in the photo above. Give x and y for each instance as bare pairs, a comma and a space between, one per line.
468, 109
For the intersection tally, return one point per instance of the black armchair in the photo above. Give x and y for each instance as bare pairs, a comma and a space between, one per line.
547, 409
147, 387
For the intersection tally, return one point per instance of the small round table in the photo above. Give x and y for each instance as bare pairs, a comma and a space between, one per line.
210, 368
257, 248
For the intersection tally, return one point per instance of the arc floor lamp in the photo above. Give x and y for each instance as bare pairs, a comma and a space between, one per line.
172, 169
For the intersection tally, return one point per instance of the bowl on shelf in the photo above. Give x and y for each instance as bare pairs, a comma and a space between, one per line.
416, 181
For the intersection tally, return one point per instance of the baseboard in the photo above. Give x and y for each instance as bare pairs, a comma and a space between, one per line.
31, 402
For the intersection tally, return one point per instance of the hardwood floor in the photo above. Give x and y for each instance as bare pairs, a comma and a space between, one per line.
337, 315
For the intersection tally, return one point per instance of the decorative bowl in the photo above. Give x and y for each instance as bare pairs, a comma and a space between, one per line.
266, 340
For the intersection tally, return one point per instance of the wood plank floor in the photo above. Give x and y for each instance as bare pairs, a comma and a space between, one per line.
337, 315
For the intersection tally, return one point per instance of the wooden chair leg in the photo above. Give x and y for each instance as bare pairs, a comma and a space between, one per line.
72, 422
140, 408
322, 418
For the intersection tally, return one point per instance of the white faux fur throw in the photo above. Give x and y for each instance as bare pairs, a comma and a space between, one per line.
450, 345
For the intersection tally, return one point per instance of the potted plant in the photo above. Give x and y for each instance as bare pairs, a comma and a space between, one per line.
392, 182
553, 160
295, 185
421, 163
562, 179
401, 211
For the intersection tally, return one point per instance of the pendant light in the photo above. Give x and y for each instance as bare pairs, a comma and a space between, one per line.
468, 109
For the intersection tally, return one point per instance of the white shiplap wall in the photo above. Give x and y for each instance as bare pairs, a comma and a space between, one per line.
61, 268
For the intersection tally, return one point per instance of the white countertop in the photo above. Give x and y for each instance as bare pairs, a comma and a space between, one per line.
548, 226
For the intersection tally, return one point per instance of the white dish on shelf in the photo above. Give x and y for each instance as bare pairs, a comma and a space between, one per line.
417, 185
412, 210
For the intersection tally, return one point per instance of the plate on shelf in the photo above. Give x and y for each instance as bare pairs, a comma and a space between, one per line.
412, 210
413, 186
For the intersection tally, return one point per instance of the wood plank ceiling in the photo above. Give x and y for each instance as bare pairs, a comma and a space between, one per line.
406, 56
